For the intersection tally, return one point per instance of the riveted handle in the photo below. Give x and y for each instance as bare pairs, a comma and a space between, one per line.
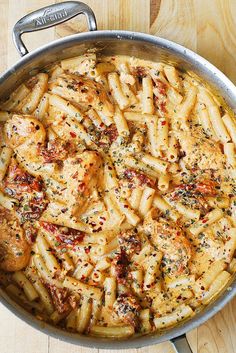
50, 16
181, 344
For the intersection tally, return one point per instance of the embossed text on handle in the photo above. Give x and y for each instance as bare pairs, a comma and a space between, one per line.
49, 17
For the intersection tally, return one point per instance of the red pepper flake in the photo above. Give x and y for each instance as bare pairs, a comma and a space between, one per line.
93, 224
162, 106
49, 227
163, 123
161, 86
207, 187
204, 220
99, 229
112, 132
74, 176
72, 134
70, 238
81, 187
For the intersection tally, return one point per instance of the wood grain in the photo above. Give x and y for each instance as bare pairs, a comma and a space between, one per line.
216, 33
206, 26
176, 21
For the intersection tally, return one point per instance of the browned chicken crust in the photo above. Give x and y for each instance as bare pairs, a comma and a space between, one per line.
83, 91
14, 249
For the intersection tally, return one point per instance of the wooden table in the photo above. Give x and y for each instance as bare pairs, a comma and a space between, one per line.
205, 26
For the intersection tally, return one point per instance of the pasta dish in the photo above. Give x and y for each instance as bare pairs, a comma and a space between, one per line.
117, 195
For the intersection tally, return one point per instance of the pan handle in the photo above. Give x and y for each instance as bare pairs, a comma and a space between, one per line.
50, 16
181, 344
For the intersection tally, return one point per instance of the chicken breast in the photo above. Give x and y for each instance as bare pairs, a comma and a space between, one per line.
25, 134
84, 92
14, 248
21, 128
80, 174
199, 151
127, 308
171, 240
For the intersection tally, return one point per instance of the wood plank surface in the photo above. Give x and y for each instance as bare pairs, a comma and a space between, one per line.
205, 26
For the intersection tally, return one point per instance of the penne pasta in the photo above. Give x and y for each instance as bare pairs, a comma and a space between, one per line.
230, 126
185, 108
209, 219
153, 261
83, 315
110, 292
147, 95
181, 313
22, 281
219, 283
82, 288
112, 331
65, 106
204, 282
5, 158
146, 201
16, 97
116, 89
172, 76
29, 104
121, 123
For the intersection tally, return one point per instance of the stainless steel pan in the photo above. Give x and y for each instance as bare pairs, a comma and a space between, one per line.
111, 43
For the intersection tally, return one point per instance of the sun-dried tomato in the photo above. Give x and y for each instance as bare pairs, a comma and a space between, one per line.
139, 71
55, 150
66, 237
19, 181
161, 86
207, 187
143, 179
59, 297
121, 262
112, 132
127, 308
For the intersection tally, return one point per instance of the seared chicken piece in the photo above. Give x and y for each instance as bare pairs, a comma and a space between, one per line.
170, 239
17, 181
80, 175
25, 135
127, 309
200, 151
194, 194
56, 150
14, 249
84, 92
27, 189
20, 129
